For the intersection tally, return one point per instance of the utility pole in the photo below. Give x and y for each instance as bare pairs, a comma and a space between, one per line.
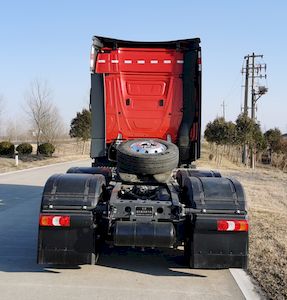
245, 110
223, 105
255, 95
252, 87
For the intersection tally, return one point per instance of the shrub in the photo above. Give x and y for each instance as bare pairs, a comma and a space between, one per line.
24, 148
7, 148
46, 149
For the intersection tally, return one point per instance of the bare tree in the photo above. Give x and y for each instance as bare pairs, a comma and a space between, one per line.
43, 114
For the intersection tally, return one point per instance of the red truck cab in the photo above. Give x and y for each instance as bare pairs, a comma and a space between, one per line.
146, 90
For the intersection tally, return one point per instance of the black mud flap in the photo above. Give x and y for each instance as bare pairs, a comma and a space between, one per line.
213, 249
66, 225
217, 231
73, 245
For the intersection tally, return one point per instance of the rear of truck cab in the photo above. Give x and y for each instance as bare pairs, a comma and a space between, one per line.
146, 122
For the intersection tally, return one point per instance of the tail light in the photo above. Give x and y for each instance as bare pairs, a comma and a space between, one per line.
232, 225
199, 61
51, 220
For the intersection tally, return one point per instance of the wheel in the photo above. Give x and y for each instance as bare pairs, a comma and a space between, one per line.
147, 156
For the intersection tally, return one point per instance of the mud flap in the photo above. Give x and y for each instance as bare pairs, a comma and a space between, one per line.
213, 249
211, 201
73, 197
72, 245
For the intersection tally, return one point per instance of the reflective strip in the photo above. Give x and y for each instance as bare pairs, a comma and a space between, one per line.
92, 59
232, 225
179, 61
127, 61
101, 61
154, 61
51, 220
167, 61
199, 68
114, 61
141, 61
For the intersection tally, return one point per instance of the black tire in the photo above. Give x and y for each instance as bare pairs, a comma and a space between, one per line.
130, 161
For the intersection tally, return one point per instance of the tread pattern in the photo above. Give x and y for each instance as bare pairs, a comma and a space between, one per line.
147, 164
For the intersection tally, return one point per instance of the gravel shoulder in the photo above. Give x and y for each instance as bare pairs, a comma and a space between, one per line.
266, 191
8, 164
66, 151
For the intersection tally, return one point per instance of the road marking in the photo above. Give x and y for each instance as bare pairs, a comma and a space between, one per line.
41, 167
246, 286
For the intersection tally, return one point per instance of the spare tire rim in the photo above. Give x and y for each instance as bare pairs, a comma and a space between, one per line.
148, 147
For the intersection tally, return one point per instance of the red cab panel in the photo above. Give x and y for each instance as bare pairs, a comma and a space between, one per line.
143, 92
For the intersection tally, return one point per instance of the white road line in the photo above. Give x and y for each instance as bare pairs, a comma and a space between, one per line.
245, 284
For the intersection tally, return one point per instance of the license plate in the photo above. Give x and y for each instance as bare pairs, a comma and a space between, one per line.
143, 211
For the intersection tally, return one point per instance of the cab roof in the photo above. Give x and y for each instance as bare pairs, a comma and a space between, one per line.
100, 42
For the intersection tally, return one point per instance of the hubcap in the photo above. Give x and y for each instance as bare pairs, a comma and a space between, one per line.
148, 147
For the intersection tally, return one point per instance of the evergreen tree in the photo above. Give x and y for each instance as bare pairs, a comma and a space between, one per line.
81, 125
274, 140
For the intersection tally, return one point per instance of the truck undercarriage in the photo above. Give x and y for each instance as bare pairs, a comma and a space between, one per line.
140, 190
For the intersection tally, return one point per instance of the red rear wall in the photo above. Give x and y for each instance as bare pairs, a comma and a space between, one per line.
143, 92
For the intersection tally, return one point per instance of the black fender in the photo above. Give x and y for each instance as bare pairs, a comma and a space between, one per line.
74, 198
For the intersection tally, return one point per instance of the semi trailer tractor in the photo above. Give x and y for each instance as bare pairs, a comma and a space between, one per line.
141, 189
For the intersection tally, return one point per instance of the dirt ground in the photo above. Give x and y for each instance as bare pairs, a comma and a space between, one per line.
266, 192
65, 151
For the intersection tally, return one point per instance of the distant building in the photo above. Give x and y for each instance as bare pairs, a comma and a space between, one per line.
284, 136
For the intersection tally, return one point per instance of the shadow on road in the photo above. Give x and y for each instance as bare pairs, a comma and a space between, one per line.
19, 211
156, 262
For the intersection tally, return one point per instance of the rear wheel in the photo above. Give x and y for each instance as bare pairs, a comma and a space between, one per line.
147, 157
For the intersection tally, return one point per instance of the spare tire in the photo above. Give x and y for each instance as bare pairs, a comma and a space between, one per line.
147, 156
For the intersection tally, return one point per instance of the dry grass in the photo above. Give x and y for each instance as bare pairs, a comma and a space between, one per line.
65, 151
266, 191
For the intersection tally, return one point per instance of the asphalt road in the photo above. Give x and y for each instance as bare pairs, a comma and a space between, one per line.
119, 274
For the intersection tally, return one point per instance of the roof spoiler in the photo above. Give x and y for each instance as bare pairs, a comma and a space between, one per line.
186, 44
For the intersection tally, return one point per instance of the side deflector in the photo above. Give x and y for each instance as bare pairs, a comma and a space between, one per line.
146, 90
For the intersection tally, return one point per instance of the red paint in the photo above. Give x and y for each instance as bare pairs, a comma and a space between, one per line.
143, 92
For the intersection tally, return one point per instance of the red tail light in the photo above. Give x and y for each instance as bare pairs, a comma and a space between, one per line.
232, 225
199, 62
50, 220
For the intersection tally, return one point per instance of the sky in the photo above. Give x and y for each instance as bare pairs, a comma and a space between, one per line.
51, 41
